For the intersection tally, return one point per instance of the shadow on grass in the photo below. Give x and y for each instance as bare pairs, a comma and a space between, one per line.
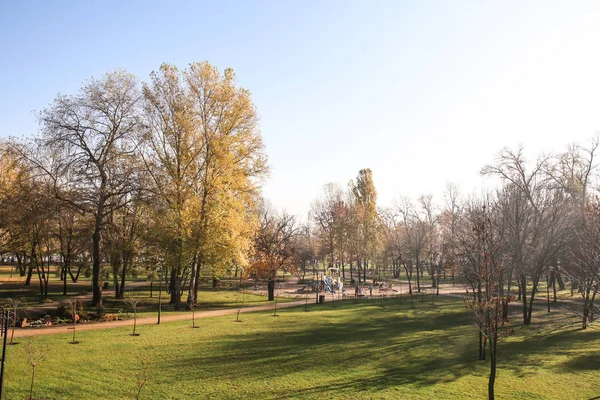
357, 346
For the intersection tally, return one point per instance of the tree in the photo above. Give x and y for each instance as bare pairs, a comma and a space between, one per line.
326, 214
122, 236
366, 214
240, 299
35, 355
305, 250
393, 238
432, 249
14, 188
448, 222
416, 246
488, 311
584, 258
537, 223
274, 246
14, 305
192, 304
574, 171
72, 306
92, 135
134, 303
71, 231
204, 153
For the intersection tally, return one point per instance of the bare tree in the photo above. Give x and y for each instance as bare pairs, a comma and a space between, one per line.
92, 137
325, 212
584, 260
575, 171
192, 302
134, 304
416, 246
240, 299
489, 310
143, 376
35, 355
274, 247
537, 220
14, 305
72, 304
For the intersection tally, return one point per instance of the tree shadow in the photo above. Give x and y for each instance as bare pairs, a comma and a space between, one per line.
425, 350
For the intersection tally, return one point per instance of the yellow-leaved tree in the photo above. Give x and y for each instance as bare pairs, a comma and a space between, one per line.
204, 152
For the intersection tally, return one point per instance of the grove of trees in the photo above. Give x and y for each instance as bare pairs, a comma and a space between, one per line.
165, 176
159, 175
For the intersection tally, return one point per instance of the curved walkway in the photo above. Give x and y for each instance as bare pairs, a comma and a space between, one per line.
66, 328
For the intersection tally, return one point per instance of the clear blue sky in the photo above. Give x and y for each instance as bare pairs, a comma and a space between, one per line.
421, 92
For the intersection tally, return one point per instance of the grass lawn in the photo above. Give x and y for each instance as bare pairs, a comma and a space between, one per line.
351, 349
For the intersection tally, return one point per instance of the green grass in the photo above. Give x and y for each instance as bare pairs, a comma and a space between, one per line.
349, 350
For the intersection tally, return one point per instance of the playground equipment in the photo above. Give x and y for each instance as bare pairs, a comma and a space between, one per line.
324, 283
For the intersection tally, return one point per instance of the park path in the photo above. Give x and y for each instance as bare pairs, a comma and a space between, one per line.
66, 328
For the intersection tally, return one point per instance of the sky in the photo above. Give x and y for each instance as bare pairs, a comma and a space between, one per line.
422, 92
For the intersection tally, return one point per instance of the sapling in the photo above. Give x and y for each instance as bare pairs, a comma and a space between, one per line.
14, 305
240, 299
143, 376
73, 310
193, 304
35, 356
134, 303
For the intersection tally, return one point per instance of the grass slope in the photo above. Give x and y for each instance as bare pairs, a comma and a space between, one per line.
348, 350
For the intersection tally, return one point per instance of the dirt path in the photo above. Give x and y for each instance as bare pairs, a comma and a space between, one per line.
58, 329
66, 328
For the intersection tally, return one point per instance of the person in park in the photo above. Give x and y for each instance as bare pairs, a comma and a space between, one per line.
371, 290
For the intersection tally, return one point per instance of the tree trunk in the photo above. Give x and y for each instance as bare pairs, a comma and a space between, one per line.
561, 283
75, 278
125, 267
554, 278
96, 288
418, 278
115, 265
64, 274
20, 260
32, 258
523, 291
481, 337
173, 289
197, 276
530, 307
492, 379
271, 289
